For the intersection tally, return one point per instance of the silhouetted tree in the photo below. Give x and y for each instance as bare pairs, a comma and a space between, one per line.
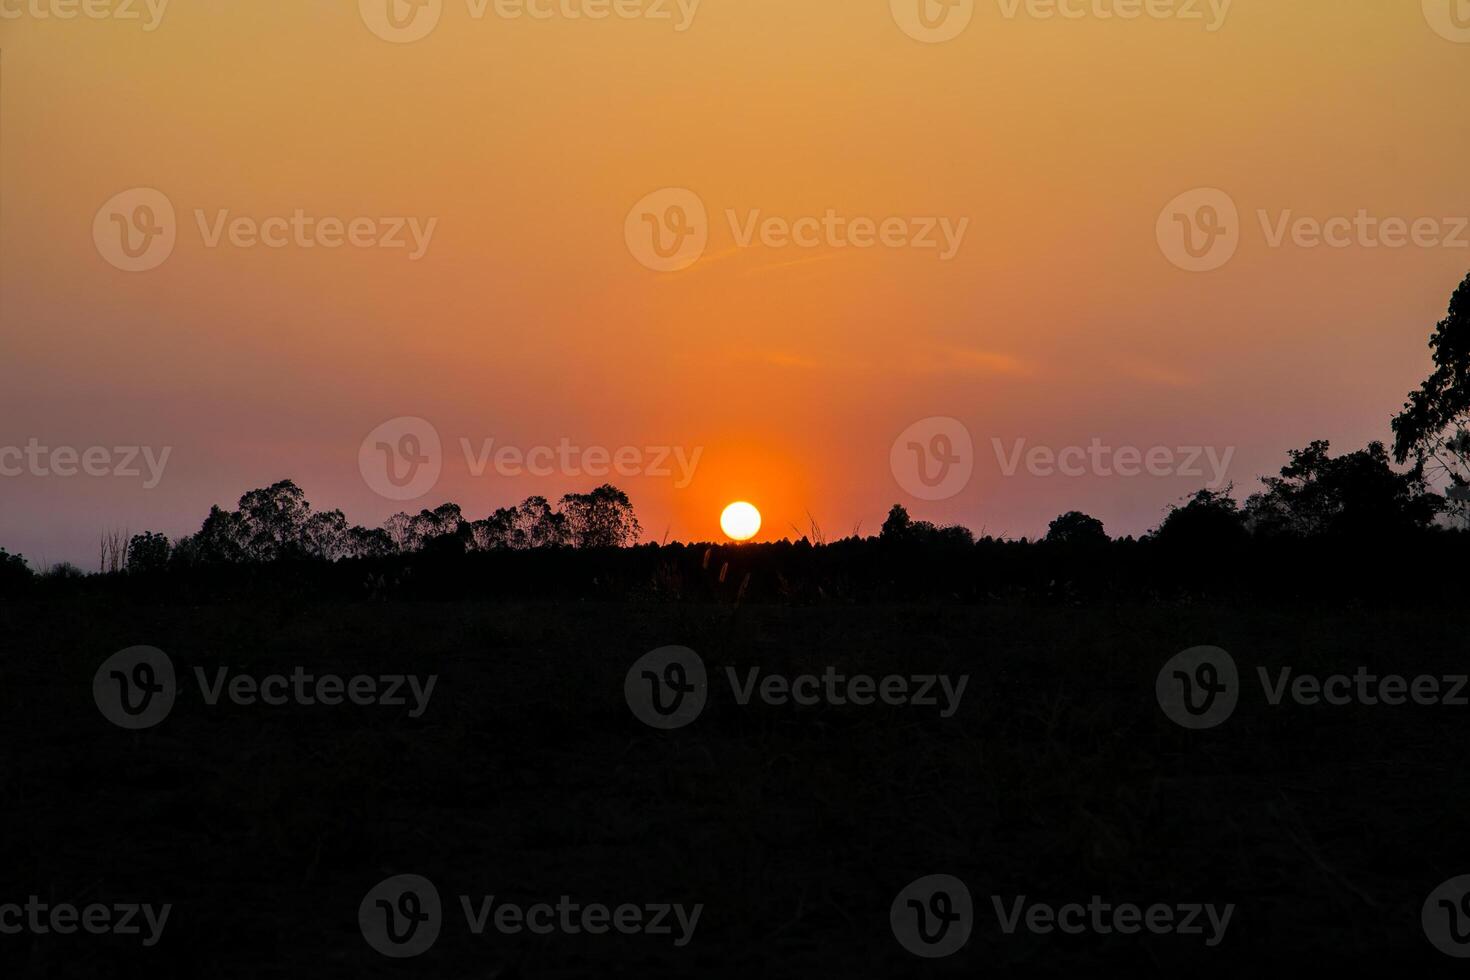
1434, 427
370, 542
399, 529
1076, 528
1210, 519
148, 552
326, 535
538, 526
277, 522
15, 574
1357, 494
272, 521
223, 538
897, 525
443, 521
603, 518
498, 531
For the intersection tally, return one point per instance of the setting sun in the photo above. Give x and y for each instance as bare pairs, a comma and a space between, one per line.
740, 521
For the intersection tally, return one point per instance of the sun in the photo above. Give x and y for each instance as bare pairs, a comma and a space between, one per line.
740, 521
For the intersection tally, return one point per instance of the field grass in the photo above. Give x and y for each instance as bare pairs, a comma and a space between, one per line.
528, 778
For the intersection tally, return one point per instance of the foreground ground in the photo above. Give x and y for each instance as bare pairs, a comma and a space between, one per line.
529, 778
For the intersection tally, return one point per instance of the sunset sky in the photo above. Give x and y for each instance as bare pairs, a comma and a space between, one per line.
528, 319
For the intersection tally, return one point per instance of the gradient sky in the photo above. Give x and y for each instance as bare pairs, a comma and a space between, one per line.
528, 320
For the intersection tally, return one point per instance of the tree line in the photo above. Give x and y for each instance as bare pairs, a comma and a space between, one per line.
277, 523
1370, 495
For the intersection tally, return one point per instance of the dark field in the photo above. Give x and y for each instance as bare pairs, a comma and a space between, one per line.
528, 778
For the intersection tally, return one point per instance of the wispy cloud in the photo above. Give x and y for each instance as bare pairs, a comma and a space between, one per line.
967, 361
1155, 373
922, 361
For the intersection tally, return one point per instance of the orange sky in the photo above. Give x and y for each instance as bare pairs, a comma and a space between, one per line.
527, 320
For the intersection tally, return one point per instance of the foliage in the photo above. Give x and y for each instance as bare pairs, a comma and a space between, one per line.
899, 528
1076, 528
148, 552
1434, 427
603, 518
1358, 494
278, 523
1208, 519
15, 573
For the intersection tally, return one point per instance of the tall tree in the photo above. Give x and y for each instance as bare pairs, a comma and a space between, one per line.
1075, 527
1434, 427
1357, 494
326, 535
222, 538
538, 526
1209, 519
273, 520
148, 552
603, 518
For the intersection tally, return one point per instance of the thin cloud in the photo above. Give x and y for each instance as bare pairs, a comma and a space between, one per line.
1159, 374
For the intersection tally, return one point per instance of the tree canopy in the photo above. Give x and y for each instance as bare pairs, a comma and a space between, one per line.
1434, 427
